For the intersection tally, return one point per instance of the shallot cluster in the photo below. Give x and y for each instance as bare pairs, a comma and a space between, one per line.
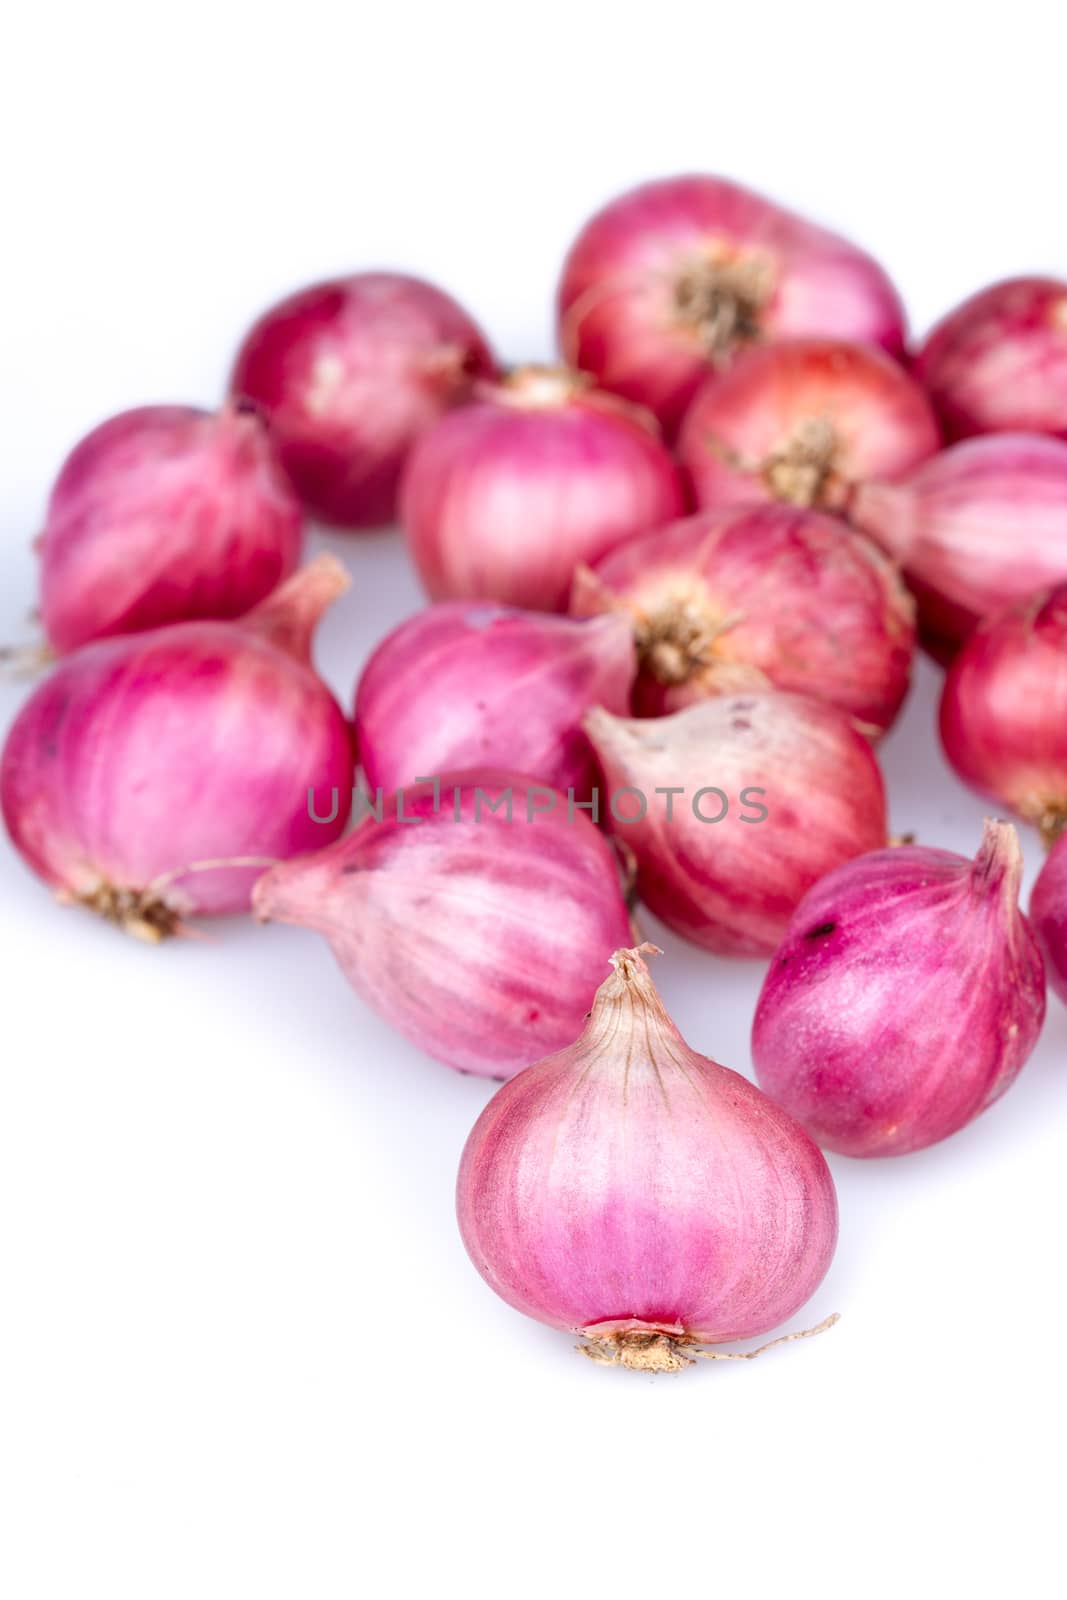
675, 586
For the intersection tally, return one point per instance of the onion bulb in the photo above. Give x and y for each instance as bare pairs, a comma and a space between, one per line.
152, 777
998, 362
474, 913
636, 1193
465, 684
759, 597
164, 514
980, 525
804, 421
503, 499
735, 806
1003, 711
348, 373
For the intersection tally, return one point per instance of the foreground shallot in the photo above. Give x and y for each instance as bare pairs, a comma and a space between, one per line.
636, 1193
670, 280
906, 997
475, 914
466, 684
805, 421
998, 362
734, 807
348, 373
152, 777
164, 514
980, 525
1003, 711
503, 499
757, 597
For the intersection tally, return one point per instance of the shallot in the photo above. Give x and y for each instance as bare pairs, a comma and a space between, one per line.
467, 684
348, 373
1004, 711
152, 777
982, 524
905, 998
1048, 912
636, 1193
804, 421
503, 499
670, 280
734, 807
164, 514
998, 362
757, 597
474, 912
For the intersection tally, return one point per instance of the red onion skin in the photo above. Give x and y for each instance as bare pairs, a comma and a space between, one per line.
1048, 913
481, 940
629, 1185
981, 525
803, 603
732, 885
1003, 715
503, 499
348, 374
465, 684
164, 514
998, 362
140, 758
804, 421
618, 298
905, 998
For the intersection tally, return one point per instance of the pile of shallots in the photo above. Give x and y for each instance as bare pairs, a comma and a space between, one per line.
677, 584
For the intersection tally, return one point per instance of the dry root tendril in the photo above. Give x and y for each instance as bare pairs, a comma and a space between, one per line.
143, 914
1052, 822
641, 1351
722, 300
802, 472
679, 641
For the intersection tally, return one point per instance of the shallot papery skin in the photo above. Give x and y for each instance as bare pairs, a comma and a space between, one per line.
905, 998
667, 282
348, 373
998, 362
1048, 913
474, 913
503, 499
152, 777
804, 421
758, 597
735, 806
1003, 711
637, 1193
164, 514
980, 525
466, 684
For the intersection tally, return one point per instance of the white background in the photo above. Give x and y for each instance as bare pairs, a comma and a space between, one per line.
242, 1352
